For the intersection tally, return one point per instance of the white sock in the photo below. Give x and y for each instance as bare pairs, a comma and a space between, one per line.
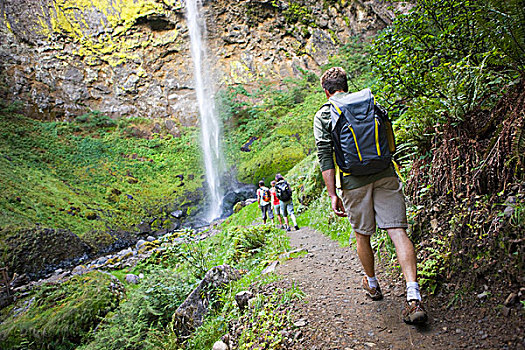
372, 282
413, 291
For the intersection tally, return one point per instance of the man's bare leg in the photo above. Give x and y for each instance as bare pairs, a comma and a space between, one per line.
365, 253
406, 255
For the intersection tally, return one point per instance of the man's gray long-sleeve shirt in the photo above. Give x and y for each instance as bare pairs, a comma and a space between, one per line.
325, 152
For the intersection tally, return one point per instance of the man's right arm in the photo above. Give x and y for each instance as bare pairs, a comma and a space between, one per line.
337, 204
323, 141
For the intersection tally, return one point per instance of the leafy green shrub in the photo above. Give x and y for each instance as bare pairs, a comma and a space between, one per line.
247, 241
95, 119
441, 61
263, 323
246, 216
60, 316
321, 217
354, 57
307, 182
276, 158
148, 307
432, 267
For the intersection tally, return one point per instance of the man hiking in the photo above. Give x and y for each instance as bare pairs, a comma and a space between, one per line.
264, 198
284, 193
276, 204
375, 196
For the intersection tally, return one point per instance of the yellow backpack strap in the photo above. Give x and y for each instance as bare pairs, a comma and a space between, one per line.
396, 167
336, 107
337, 174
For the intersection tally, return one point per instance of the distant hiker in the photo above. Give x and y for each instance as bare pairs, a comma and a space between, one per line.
284, 193
263, 198
276, 204
354, 130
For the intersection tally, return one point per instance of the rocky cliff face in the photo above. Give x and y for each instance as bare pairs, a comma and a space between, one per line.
131, 58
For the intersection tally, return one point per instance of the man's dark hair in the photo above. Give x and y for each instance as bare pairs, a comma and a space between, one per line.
261, 183
279, 177
334, 80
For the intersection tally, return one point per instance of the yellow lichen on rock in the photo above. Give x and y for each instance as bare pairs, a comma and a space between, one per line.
108, 38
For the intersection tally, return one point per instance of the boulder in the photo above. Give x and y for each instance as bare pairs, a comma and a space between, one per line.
133, 279
220, 345
40, 251
191, 312
242, 299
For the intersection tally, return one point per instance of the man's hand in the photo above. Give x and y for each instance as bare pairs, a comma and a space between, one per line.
337, 206
337, 203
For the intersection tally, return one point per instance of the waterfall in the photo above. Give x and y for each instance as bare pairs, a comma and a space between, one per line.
209, 122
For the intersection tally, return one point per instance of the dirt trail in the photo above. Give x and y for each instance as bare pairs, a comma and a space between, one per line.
335, 313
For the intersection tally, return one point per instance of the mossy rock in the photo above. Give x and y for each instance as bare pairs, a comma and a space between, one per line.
272, 160
37, 251
60, 316
237, 207
306, 180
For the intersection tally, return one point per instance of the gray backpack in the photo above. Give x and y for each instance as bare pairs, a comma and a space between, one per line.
362, 134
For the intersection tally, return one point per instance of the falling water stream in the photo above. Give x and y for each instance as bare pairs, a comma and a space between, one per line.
210, 127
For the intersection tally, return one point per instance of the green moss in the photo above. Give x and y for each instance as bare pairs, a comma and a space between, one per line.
59, 316
307, 181
273, 159
298, 13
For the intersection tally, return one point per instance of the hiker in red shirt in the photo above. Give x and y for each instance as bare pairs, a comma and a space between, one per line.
276, 204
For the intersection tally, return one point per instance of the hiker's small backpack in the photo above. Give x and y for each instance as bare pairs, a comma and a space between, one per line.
283, 191
266, 195
362, 134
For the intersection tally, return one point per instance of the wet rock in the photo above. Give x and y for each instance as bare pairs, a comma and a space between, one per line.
177, 214
236, 192
140, 243
242, 299
133, 279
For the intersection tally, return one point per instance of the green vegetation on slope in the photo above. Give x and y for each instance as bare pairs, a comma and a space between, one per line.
60, 316
278, 119
97, 312
454, 86
90, 174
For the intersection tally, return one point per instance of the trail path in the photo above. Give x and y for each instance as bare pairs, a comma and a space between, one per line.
335, 313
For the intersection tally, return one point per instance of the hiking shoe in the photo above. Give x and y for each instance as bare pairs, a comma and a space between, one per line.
414, 313
296, 227
372, 293
288, 228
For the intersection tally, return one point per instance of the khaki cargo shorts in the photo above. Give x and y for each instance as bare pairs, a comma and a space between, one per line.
381, 201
